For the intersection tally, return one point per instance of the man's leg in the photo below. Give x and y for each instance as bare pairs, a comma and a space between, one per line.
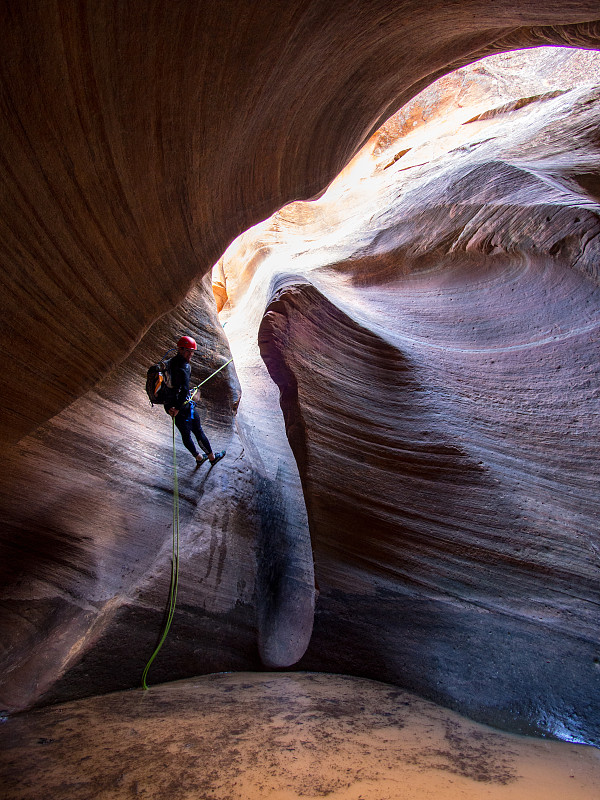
183, 424
200, 435
203, 439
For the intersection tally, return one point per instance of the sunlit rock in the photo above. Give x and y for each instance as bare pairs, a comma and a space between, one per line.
138, 142
448, 501
432, 325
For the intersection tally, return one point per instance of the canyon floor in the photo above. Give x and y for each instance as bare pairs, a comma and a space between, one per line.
279, 736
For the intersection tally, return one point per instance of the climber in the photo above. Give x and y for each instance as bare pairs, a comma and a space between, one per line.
181, 407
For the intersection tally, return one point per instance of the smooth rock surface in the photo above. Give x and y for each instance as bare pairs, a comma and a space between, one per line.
434, 336
432, 323
139, 141
87, 537
87, 533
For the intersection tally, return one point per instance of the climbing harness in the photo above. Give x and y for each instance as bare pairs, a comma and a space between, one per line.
175, 553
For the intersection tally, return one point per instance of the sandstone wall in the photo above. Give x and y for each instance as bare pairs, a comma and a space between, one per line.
138, 143
448, 495
433, 328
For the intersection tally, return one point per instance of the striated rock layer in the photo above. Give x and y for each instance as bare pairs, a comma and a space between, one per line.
138, 142
87, 542
433, 334
433, 329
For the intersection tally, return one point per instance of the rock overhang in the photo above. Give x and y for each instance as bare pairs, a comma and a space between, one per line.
124, 133
183, 211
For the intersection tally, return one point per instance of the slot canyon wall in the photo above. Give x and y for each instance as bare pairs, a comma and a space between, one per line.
433, 332
410, 491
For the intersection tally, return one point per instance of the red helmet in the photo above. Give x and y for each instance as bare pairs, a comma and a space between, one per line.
187, 343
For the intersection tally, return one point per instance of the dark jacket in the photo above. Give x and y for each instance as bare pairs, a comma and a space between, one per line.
180, 381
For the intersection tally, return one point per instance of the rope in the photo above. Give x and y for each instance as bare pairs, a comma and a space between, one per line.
195, 389
175, 554
174, 566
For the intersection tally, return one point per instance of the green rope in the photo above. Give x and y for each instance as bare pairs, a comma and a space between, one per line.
195, 389
175, 555
174, 566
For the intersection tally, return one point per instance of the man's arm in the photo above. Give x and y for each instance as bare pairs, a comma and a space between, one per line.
180, 377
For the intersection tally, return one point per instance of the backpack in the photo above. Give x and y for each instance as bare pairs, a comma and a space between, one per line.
158, 382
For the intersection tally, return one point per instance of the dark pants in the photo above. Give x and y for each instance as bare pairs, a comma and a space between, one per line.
187, 422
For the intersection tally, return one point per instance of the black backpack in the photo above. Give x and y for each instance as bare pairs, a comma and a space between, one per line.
158, 382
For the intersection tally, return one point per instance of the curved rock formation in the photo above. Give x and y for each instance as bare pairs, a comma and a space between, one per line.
435, 348
86, 546
87, 518
433, 330
138, 143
